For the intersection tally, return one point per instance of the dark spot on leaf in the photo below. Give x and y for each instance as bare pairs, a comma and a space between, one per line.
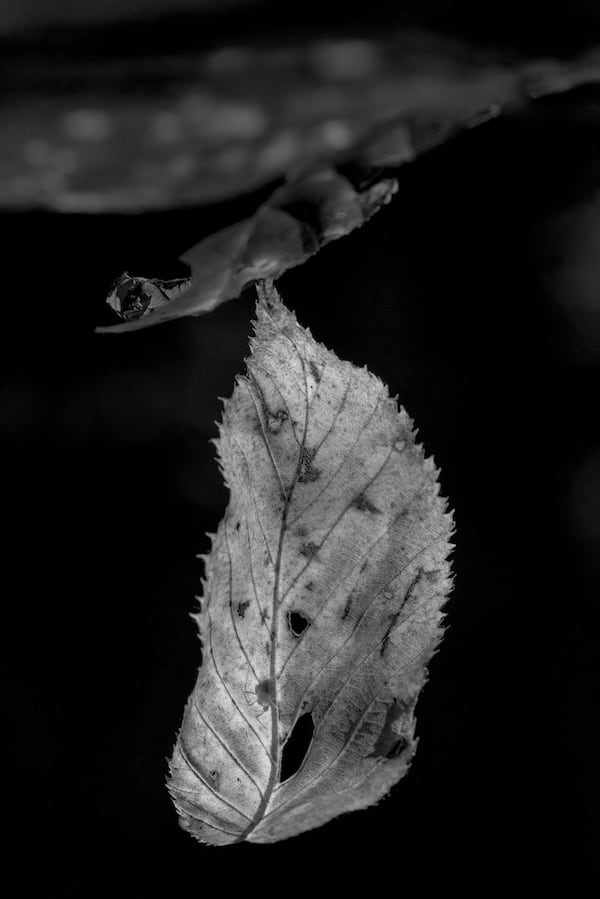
393, 619
391, 741
397, 748
365, 505
237, 525
298, 623
413, 584
265, 692
309, 586
242, 606
315, 371
296, 746
432, 576
364, 565
275, 420
308, 472
264, 614
347, 608
309, 550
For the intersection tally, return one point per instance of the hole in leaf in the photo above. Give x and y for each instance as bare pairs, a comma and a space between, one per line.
296, 746
298, 623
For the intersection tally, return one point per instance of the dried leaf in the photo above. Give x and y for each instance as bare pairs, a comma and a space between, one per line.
322, 601
131, 296
277, 237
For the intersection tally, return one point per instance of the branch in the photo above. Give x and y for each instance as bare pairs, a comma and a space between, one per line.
140, 128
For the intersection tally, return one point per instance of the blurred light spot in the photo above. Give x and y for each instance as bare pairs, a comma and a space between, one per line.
336, 135
345, 59
166, 127
237, 120
196, 108
80, 201
87, 125
181, 166
279, 152
231, 160
314, 105
216, 119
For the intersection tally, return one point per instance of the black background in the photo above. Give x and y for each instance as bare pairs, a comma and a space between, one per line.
110, 484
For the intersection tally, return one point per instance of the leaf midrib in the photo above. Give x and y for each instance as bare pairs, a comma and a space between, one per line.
275, 748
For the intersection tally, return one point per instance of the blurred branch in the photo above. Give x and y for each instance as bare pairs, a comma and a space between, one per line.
107, 131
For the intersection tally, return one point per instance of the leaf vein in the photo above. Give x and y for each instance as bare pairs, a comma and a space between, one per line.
339, 467
196, 772
235, 702
254, 502
285, 402
333, 526
266, 440
231, 615
229, 752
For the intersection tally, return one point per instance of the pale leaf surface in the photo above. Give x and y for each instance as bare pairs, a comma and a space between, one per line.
322, 600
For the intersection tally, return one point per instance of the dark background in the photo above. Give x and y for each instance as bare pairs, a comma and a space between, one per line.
475, 295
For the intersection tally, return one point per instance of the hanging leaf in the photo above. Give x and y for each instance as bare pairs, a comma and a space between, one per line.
322, 600
319, 205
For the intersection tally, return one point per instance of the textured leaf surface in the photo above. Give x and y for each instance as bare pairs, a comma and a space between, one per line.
323, 595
